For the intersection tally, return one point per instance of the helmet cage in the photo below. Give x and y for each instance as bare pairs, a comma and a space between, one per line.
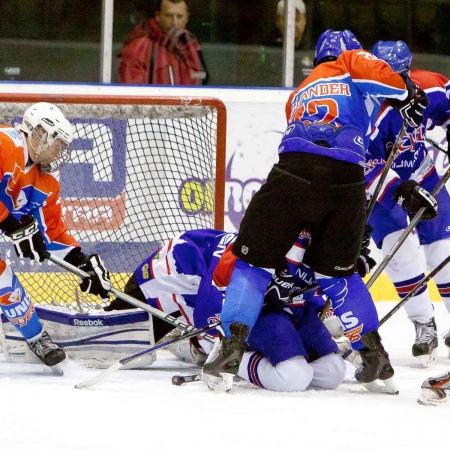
49, 131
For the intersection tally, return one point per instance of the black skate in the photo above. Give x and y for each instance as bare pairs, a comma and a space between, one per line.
435, 390
424, 348
223, 361
375, 364
46, 350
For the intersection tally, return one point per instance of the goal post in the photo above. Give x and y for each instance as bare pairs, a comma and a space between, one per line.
142, 169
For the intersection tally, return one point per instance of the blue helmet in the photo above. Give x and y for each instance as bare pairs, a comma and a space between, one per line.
395, 53
333, 43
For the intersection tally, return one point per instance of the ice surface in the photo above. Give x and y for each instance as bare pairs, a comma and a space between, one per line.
134, 410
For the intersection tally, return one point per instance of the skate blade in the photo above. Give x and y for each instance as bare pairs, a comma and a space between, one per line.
382, 387
223, 383
430, 398
428, 360
54, 370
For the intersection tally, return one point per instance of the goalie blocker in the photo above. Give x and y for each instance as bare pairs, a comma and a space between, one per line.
96, 339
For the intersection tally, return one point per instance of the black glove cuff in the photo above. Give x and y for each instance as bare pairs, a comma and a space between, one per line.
76, 257
10, 224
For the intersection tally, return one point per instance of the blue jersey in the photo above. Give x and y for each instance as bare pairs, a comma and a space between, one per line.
178, 276
332, 112
412, 161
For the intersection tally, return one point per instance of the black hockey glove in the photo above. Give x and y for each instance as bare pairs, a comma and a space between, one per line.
366, 236
412, 197
26, 236
413, 107
277, 293
98, 283
365, 263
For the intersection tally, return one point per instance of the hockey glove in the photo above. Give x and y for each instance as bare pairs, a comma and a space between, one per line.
277, 293
27, 238
98, 283
413, 107
365, 263
412, 197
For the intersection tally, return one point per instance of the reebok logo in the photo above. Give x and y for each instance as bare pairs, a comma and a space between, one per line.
88, 323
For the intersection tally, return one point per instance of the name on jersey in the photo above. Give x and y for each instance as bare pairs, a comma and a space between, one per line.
323, 90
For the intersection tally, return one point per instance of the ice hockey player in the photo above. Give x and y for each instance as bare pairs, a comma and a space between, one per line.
289, 349
412, 168
30, 215
435, 390
318, 184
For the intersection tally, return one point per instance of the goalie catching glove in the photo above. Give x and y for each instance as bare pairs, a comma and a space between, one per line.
412, 197
98, 282
26, 236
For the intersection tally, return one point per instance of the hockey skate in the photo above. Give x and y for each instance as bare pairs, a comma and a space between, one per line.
424, 348
223, 361
187, 350
375, 365
46, 350
435, 390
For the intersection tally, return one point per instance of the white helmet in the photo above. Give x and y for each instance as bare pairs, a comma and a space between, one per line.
47, 124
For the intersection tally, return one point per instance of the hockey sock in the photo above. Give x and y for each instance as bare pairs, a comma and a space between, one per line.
244, 296
294, 374
17, 307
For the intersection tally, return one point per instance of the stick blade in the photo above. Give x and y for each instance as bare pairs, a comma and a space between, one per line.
99, 377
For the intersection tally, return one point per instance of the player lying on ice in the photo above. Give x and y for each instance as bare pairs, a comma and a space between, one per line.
289, 348
30, 215
318, 183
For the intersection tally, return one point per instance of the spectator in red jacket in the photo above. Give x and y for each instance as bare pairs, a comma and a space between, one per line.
161, 51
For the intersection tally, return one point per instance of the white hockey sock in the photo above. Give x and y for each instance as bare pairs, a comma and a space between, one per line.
294, 374
329, 372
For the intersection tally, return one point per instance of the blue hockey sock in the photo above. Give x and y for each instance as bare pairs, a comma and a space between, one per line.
17, 307
244, 296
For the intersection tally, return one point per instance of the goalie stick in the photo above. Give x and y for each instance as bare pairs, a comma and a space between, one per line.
116, 366
409, 228
131, 300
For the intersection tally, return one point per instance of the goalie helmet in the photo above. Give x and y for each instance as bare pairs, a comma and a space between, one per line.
332, 43
395, 53
50, 136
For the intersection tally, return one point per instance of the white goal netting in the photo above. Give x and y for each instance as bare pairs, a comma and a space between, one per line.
141, 171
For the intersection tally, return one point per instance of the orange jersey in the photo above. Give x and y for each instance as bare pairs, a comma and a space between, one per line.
24, 190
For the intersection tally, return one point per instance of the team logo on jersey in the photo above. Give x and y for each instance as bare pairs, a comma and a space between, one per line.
354, 335
214, 319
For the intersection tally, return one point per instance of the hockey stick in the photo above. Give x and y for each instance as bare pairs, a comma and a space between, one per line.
131, 300
406, 232
385, 171
116, 366
437, 145
415, 290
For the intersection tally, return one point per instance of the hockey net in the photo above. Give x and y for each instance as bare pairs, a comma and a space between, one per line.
142, 170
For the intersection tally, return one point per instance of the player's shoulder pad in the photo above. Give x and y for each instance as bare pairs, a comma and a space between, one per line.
10, 135
428, 80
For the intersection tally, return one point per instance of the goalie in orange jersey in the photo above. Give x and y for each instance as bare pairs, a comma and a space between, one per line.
31, 216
